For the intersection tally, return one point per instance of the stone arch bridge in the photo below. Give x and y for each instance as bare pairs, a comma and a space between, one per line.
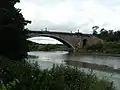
74, 41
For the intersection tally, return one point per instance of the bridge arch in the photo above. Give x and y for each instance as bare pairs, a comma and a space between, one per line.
70, 47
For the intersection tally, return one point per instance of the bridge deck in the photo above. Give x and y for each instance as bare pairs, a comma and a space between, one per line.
65, 33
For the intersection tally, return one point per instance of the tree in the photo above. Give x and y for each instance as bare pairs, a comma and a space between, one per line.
95, 27
103, 32
94, 30
111, 32
13, 42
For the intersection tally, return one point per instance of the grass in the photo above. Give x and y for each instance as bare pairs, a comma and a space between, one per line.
23, 76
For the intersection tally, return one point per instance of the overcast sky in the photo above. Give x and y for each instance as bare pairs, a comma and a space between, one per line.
69, 15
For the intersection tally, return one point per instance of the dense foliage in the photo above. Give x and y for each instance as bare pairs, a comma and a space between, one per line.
107, 35
111, 40
12, 39
21, 76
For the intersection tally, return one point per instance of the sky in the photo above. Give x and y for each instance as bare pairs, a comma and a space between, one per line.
70, 15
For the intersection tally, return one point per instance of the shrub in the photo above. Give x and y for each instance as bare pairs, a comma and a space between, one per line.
95, 47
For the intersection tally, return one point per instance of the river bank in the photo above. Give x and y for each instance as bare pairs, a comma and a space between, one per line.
96, 53
32, 56
109, 48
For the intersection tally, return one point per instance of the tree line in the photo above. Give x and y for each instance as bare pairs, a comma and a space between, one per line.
107, 35
46, 47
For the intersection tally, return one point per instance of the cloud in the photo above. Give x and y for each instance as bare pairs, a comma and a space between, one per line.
69, 15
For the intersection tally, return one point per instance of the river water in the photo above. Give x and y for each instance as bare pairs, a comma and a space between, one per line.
103, 66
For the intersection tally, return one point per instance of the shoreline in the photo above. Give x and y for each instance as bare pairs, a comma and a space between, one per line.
104, 54
82, 53
97, 53
32, 56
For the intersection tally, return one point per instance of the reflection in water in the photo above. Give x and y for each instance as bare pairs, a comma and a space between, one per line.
93, 66
98, 63
101, 60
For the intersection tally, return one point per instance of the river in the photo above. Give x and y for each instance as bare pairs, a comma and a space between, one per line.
102, 66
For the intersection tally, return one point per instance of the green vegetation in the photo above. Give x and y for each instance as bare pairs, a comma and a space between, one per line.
46, 47
13, 42
111, 40
106, 35
21, 76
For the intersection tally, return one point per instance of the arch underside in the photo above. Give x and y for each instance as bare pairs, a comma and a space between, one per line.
59, 39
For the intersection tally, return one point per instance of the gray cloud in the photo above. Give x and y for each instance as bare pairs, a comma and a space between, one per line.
52, 26
44, 2
93, 12
67, 27
71, 15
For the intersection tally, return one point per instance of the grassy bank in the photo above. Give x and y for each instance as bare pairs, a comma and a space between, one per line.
22, 76
109, 48
112, 47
